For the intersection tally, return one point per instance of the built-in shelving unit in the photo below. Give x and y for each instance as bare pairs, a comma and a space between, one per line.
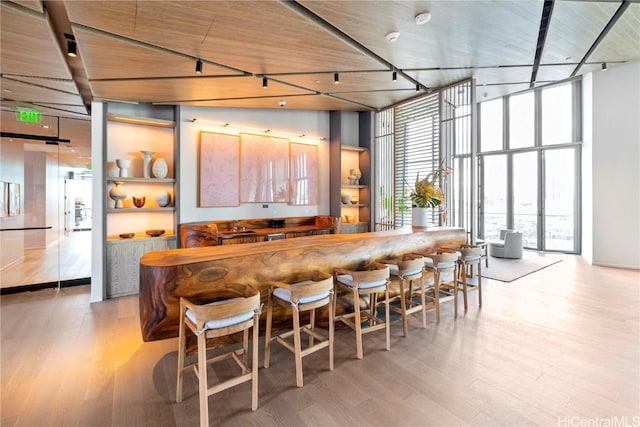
349, 150
127, 131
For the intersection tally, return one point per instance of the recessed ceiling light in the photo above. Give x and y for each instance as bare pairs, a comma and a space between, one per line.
423, 18
393, 36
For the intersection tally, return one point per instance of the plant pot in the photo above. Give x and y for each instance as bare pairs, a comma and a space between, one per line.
419, 218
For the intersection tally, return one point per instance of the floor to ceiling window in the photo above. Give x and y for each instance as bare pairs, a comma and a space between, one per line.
529, 166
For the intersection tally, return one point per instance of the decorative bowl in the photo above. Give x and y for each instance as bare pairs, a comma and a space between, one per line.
155, 233
126, 235
354, 201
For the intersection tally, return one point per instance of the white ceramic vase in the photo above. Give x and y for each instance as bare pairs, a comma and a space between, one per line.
118, 193
163, 198
346, 197
123, 165
146, 163
419, 218
160, 168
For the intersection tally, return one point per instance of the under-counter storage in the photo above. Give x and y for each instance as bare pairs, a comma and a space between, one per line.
123, 261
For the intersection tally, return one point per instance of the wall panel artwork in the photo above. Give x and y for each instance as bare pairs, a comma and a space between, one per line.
14, 199
304, 174
264, 169
219, 170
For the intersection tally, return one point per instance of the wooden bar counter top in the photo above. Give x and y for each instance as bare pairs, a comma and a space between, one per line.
208, 273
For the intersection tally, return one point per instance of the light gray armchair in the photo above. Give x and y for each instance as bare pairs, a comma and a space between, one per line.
509, 245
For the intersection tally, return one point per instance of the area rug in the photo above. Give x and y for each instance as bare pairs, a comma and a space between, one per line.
508, 270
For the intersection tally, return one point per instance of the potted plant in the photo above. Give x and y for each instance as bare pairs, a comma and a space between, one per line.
427, 194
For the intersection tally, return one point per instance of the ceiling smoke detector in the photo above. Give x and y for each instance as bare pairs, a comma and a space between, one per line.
422, 18
393, 36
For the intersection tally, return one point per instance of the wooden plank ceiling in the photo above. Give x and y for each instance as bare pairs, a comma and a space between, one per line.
146, 51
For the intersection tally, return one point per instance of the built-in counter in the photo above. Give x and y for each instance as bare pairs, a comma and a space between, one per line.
203, 274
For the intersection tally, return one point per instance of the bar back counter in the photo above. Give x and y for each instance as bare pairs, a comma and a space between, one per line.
206, 273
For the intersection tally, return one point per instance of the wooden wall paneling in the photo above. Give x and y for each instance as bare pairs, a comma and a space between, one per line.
264, 169
219, 170
304, 174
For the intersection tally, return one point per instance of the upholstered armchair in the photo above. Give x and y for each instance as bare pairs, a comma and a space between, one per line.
509, 245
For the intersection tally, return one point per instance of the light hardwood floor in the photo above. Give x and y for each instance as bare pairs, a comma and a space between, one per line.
556, 348
68, 259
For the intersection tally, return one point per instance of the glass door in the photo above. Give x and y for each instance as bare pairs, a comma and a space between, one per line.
32, 220
45, 202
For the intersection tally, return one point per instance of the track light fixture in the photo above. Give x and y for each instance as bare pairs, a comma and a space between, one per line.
72, 47
604, 66
336, 78
199, 66
265, 82
394, 76
417, 87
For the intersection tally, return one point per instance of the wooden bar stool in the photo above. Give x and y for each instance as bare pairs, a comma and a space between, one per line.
469, 256
438, 264
408, 270
307, 293
213, 320
370, 281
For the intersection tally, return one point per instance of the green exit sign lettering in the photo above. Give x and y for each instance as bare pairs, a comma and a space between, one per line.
29, 116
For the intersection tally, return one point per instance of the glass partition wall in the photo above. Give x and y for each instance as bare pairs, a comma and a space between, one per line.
42, 200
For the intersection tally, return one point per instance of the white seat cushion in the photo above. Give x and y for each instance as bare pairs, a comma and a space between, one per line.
395, 270
428, 263
221, 323
285, 294
347, 279
472, 258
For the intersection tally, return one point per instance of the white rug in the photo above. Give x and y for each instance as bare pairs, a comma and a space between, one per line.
508, 270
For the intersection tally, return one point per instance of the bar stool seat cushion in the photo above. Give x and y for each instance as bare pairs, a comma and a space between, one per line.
285, 294
221, 323
347, 279
428, 262
394, 270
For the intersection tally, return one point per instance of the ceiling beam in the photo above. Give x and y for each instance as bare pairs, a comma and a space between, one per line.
621, 9
545, 21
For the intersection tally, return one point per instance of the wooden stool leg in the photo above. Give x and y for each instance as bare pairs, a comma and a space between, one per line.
297, 345
181, 354
358, 325
267, 335
403, 309
312, 324
332, 308
436, 277
455, 295
423, 301
480, 284
464, 287
387, 326
254, 363
202, 381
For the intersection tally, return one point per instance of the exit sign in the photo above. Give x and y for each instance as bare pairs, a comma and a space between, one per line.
29, 116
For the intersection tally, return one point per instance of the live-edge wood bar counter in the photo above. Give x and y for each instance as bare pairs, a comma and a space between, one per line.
204, 274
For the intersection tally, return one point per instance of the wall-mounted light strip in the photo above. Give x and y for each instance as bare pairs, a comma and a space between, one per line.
228, 128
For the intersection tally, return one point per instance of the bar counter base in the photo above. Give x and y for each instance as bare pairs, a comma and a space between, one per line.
204, 274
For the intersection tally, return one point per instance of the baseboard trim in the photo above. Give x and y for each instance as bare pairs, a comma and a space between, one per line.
45, 285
